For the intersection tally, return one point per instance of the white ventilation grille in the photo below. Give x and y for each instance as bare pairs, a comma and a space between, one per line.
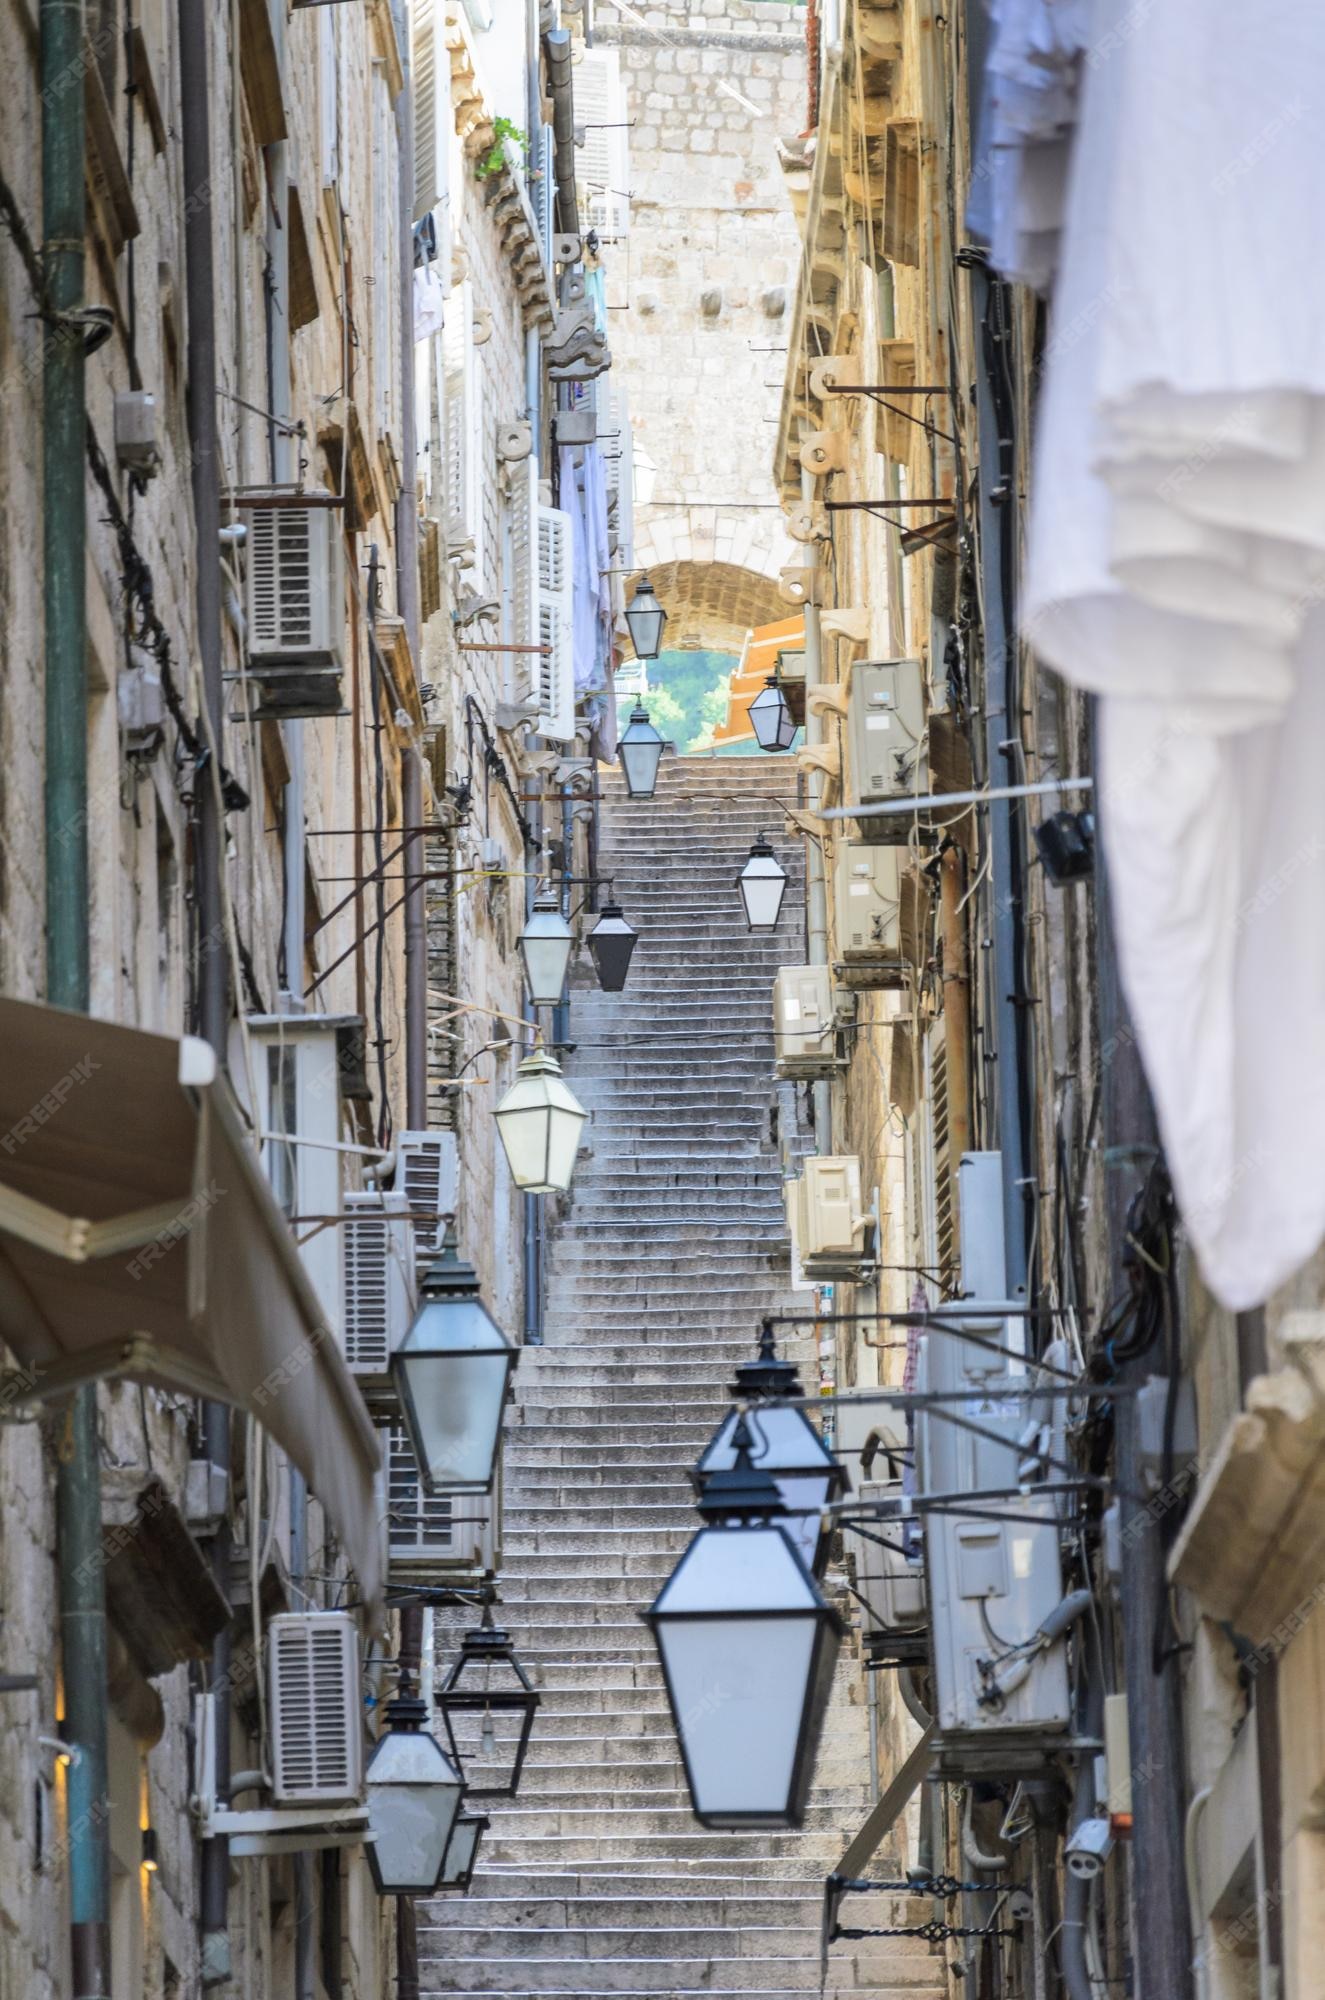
293, 584
379, 1280
316, 1718
556, 688
430, 1176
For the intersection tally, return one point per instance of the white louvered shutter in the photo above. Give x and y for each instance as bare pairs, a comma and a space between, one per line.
604, 159
430, 1177
464, 429
316, 1715
384, 257
615, 442
545, 191
523, 583
556, 690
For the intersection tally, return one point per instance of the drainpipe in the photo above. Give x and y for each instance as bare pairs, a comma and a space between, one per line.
816, 891
997, 504
64, 544
213, 979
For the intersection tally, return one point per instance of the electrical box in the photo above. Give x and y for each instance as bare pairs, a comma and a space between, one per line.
886, 735
379, 1283
294, 604
137, 442
867, 889
141, 704
833, 1231
892, 1584
1151, 1411
804, 1036
316, 1713
982, 1225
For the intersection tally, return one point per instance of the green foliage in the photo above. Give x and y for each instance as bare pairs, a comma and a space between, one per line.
494, 159
688, 696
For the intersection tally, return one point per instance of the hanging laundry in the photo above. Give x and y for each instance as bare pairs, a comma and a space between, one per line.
1176, 565
1027, 116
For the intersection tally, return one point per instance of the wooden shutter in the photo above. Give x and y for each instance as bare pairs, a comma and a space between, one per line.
556, 693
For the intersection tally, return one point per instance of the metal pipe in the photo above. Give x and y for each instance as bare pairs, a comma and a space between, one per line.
81, 1585
1004, 1037
409, 605
213, 972
1076, 1893
557, 47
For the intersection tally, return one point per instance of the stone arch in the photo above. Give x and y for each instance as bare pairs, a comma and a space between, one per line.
715, 569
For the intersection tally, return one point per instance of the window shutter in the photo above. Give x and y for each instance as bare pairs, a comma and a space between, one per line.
418, 1524
556, 687
604, 162
545, 191
937, 1165
464, 420
328, 87
384, 262
615, 441
523, 595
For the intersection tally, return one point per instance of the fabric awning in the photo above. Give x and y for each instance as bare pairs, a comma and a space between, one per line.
139, 1237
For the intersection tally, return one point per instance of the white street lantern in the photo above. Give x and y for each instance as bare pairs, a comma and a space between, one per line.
640, 751
645, 619
748, 1646
462, 1853
611, 943
545, 946
784, 1444
450, 1373
771, 719
414, 1793
539, 1120
762, 883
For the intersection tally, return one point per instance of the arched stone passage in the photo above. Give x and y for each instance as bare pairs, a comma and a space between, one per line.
715, 569
713, 604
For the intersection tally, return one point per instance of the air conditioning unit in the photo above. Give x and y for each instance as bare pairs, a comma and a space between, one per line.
867, 887
891, 1584
804, 1035
429, 1174
886, 736
379, 1282
833, 1231
432, 1536
294, 603
315, 1708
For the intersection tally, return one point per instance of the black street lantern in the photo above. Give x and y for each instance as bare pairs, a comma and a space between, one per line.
414, 1792
640, 751
747, 1645
487, 1686
462, 1853
771, 719
645, 619
762, 883
611, 944
545, 947
784, 1444
450, 1373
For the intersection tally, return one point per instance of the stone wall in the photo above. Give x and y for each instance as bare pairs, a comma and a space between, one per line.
707, 275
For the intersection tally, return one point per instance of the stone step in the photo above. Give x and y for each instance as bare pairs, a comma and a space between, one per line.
587, 1976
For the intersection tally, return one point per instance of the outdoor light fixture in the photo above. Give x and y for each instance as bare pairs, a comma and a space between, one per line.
450, 1373
784, 1444
762, 883
462, 1853
151, 1850
611, 943
414, 1792
640, 751
747, 1646
645, 619
771, 719
486, 1683
539, 1120
545, 946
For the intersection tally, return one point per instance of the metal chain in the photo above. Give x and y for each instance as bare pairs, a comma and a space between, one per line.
933, 1933
924, 1885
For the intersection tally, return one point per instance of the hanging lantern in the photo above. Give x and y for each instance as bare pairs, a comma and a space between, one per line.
488, 1687
762, 883
450, 1373
645, 619
611, 944
414, 1792
462, 1853
539, 1120
747, 1646
784, 1444
640, 750
545, 946
771, 719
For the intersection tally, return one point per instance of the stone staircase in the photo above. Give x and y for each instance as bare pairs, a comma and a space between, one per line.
597, 1880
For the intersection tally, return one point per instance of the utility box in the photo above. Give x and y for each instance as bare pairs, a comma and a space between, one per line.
886, 736
804, 1033
867, 890
892, 1584
833, 1231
